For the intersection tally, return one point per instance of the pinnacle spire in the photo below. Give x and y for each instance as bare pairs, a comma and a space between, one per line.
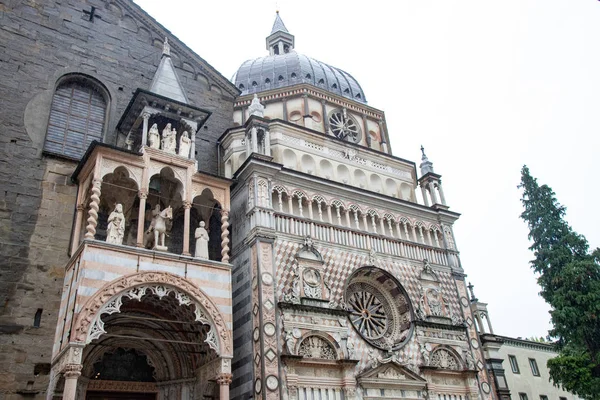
278, 25
426, 165
280, 40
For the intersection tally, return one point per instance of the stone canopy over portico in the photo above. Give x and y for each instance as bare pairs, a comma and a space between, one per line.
158, 317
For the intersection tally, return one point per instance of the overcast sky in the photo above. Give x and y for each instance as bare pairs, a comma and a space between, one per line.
486, 86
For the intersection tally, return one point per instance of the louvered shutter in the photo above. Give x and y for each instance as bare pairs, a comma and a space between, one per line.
76, 119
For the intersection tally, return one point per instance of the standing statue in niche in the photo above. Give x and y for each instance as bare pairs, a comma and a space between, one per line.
201, 236
154, 237
154, 137
184, 145
168, 139
116, 226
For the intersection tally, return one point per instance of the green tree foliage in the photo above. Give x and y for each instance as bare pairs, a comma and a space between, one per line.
569, 277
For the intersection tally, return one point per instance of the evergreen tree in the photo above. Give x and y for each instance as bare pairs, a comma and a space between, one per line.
569, 277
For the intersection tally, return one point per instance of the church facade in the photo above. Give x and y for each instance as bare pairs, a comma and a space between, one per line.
169, 234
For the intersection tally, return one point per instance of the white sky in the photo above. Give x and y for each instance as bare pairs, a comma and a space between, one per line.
486, 86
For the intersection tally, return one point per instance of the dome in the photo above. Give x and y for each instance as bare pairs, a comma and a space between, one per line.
281, 70
286, 67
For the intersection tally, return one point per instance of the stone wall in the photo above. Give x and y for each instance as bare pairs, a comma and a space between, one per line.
40, 41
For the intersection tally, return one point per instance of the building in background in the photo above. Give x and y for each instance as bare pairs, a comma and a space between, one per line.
169, 234
519, 366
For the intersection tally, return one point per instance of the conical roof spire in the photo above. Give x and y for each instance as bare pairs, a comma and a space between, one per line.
278, 25
166, 81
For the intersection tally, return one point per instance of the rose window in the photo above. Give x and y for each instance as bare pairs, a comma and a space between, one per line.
368, 314
344, 126
378, 308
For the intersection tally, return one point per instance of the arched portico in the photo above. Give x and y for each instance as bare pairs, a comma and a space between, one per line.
150, 333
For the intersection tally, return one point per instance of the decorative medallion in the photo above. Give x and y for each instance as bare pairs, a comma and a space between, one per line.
257, 386
269, 329
312, 283
267, 279
474, 343
272, 382
270, 354
464, 301
269, 305
256, 334
469, 322
485, 387
255, 310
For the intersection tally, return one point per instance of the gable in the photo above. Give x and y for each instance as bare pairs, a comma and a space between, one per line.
391, 374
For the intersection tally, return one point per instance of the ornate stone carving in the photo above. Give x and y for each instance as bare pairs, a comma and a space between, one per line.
94, 207
131, 286
444, 359
154, 137
224, 236
316, 347
256, 108
224, 379
184, 145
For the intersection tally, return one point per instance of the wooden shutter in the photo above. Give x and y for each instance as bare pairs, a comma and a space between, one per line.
76, 119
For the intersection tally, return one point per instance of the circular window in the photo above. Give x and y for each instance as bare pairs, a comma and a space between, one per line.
344, 126
379, 308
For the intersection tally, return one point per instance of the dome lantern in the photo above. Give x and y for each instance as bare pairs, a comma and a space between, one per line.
280, 41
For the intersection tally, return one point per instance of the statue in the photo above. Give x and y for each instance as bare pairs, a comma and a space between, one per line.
290, 341
256, 108
116, 226
424, 352
168, 139
184, 145
201, 236
154, 237
154, 137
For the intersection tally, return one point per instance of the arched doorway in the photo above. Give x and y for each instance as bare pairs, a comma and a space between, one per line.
147, 336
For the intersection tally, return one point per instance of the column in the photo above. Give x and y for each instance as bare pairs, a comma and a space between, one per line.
143, 194
310, 209
373, 223
224, 236
398, 231
366, 130
93, 212
390, 227
146, 117
365, 223
300, 207
254, 135
320, 211
442, 197
193, 147
78, 222
248, 144
72, 373
290, 205
186, 228
425, 198
224, 380
267, 143
434, 199
329, 214
280, 200
324, 115
285, 113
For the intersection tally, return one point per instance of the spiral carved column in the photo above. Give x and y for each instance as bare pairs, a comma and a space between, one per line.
224, 236
94, 207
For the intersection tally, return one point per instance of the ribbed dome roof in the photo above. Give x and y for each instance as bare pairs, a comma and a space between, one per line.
281, 70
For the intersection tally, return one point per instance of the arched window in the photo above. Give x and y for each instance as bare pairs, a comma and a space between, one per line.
77, 117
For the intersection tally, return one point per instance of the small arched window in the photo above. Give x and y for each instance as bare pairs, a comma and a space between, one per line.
77, 117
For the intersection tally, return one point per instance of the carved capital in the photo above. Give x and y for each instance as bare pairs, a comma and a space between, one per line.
146, 115
224, 379
187, 204
73, 371
225, 213
143, 194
